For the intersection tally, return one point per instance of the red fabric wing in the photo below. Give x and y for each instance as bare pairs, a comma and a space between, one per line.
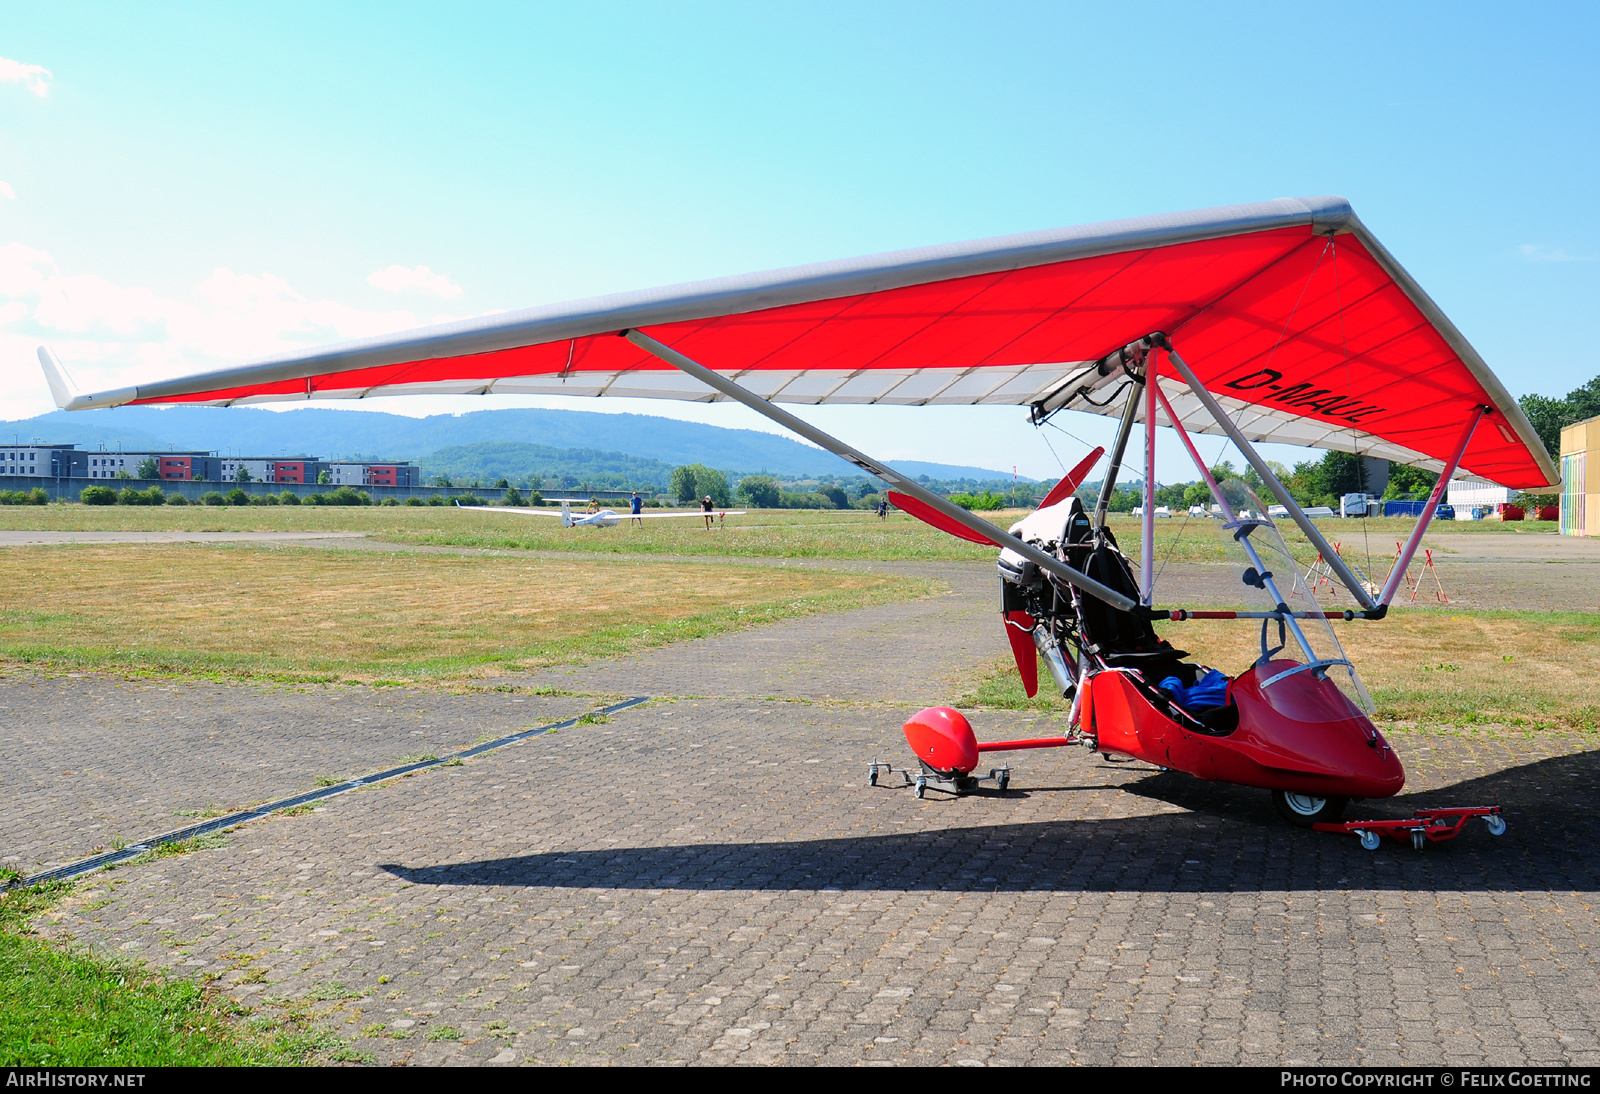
1285, 319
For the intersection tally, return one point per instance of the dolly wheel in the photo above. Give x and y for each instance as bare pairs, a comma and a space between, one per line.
1304, 810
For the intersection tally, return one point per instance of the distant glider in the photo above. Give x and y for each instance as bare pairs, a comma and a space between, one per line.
605, 518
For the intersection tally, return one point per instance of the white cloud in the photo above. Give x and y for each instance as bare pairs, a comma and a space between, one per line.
110, 335
6, 191
421, 280
1538, 252
36, 78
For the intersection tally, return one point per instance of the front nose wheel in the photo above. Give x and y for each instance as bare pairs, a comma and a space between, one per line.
1304, 810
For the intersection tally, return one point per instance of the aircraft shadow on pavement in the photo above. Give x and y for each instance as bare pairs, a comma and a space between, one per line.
1226, 838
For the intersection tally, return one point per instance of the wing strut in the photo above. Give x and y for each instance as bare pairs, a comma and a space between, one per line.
992, 534
1357, 588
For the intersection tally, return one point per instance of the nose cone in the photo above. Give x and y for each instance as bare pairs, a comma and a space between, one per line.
1310, 731
943, 739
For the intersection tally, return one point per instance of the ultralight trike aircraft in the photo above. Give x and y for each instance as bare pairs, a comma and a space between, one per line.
1283, 321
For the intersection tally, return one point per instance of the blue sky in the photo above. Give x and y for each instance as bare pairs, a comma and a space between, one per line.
199, 184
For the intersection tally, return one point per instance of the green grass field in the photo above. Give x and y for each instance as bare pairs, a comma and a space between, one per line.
311, 614
781, 533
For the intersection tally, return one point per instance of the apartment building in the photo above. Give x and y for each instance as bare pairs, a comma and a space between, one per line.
34, 460
69, 462
354, 473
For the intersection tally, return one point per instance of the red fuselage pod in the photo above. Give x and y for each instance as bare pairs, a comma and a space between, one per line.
943, 739
1301, 733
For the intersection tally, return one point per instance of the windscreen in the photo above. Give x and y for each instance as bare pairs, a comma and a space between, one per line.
1263, 551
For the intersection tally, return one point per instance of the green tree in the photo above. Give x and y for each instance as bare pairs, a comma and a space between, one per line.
693, 481
760, 492
1409, 483
502, 484
985, 502
1123, 501
1171, 496
324, 477
237, 496
1343, 473
98, 495
149, 468
714, 483
684, 486
513, 497
840, 499
243, 475
1197, 494
1548, 415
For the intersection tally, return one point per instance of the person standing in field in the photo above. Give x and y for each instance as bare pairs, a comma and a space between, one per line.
638, 508
705, 507
883, 508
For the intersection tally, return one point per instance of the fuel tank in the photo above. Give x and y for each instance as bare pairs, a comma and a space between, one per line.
943, 739
1298, 733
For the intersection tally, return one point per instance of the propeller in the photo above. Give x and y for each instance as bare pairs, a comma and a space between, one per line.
1019, 629
933, 518
1019, 625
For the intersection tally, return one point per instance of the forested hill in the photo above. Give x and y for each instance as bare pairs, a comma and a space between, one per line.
519, 463
333, 433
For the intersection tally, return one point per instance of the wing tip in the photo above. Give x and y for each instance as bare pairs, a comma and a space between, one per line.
66, 394
62, 389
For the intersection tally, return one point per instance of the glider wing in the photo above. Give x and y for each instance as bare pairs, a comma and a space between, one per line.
1291, 312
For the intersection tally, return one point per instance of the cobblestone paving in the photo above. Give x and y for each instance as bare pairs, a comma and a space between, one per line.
90, 760
712, 881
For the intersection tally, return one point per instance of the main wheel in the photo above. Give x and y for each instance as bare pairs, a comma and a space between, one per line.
1304, 810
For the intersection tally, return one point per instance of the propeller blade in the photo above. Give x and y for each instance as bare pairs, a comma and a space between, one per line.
927, 514
1019, 629
1070, 481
